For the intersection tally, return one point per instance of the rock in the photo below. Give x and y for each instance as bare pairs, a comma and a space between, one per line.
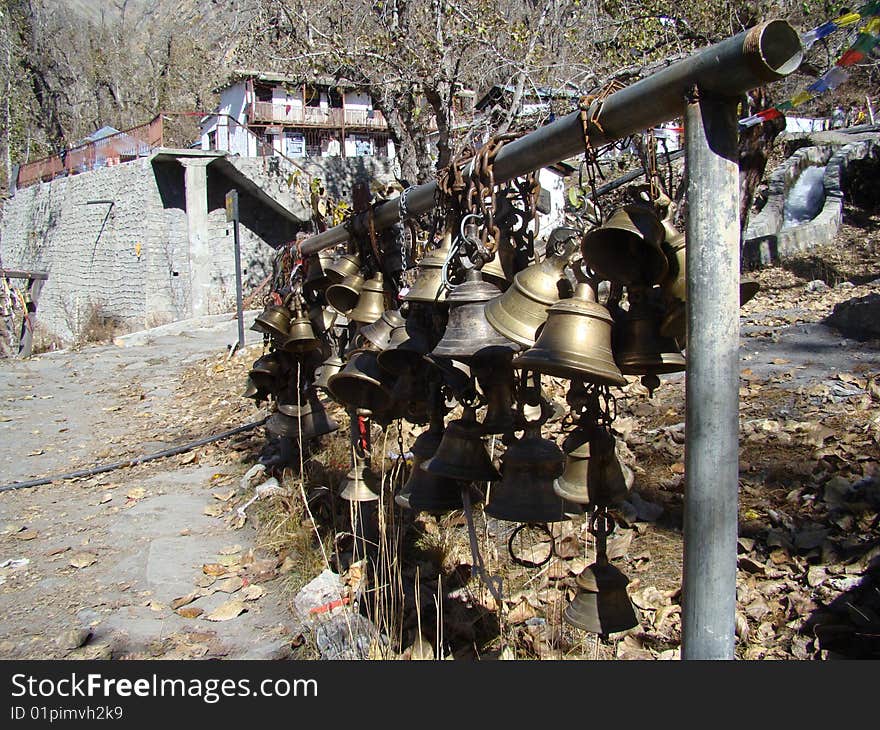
817, 285
324, 589
345, 635
857, 318
74, 639
645, 511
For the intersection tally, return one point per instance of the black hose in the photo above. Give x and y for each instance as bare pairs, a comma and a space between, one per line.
133, 462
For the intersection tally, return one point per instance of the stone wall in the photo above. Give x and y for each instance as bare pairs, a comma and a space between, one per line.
339, 173
119, 238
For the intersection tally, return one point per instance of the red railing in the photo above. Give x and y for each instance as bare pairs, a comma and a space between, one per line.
114, 149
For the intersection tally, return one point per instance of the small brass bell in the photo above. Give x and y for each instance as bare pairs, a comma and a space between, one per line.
428, 286
344, 296
462, 454
267, 372
522, 309
346, 265
371, 302
525, 493
362, 383
252, 391
426, 492
361, 484
274, 320
310, 416
468, 334
575, 342
627, 247
330, 366
301, 336
602, 604
379, 332
316, 275
639, 348
495, 377
501, 268
608, 478
322, 319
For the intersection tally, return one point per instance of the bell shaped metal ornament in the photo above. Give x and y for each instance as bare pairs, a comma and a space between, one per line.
300, 334
323, 319
501, 268
346, 265
462, 454
519, 312
274, 320
639, 348
468, 334
361, 483
379, 332
426, 492
525, 493
627, 247
601, 605
252, 391
362, 383
316, 279
495, 377
344, 296
329, 367
268, 372
311, 417
428, 286
371, 302
575, 342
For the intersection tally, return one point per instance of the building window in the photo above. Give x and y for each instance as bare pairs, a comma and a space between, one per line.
212, 140
294, 144
263, 93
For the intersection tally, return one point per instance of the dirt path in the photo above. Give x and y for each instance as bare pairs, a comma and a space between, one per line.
107, 556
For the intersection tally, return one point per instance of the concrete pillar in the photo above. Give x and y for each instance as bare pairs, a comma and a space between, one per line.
200, 263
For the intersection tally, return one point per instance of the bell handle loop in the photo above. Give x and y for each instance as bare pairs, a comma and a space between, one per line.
540, 527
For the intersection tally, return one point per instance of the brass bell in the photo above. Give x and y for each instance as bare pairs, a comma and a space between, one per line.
462, 454
301, 336
379, 332
274, 320
575, 342
362, 383
252, 391
426, 492
409, 398
525, 493
602, 604
316, 271
627, 247
330, 366
495, 377
344, 296
406, 348
501, 268
594, 475
371, 302
267, 372
428, 286
281, 425
310, 416
361, 484
522, 309
468, 334
639, 348
322, 319
346, 265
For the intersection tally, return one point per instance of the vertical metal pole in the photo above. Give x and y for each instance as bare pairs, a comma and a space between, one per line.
238, 306
712, 383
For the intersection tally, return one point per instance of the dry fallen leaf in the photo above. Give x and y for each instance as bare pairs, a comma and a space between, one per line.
26, 534
253, 592
213, 510
521, 613
106, 498
229, 585
136, 493
214, 569
190, 611
227, 611
83, 560
184, 600
231, 550
223, 496
189, 458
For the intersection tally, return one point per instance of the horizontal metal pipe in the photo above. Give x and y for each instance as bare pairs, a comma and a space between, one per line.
768, 52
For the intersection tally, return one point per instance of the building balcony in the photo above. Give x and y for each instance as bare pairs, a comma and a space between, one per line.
262, 112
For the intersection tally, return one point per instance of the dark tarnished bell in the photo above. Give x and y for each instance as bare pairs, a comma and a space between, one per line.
316, 274
322, 319
346, 265
343, 297
378, 333
639, 348
267, 372
426, 492
330, 366
575, 342
501, 268
428, 286
274, 320
462, 454
371, 302
362, 383
300, 335
601, 604
627, 247
361, 484
468, 334
522, 309
406, 349
525, 493
310, 418
594, 475
494, 375
674, 322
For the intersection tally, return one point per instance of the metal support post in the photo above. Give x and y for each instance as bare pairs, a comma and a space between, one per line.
712, 383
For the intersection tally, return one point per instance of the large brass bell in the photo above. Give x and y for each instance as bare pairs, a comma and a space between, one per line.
311, 417
522, 309
362, 383
525, 493
639, 348
346, 265
301, 335
274, 320
322, 319
379, 332
371, 302
575, 342
627, 247
594, 474
428, 286
267, 372
468, 334
495, 377
601, 604
281, 425
462, 454
329, 367
424, 491
361, 483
